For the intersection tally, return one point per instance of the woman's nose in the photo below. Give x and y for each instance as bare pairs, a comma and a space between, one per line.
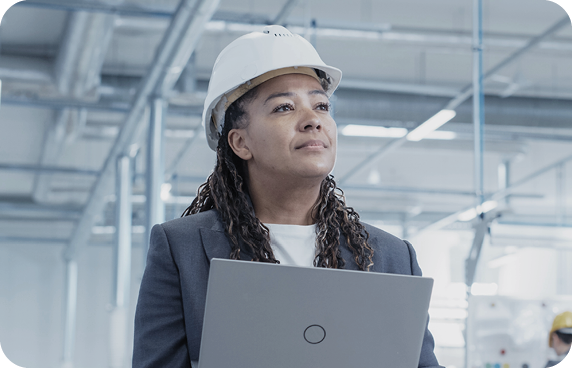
310, 120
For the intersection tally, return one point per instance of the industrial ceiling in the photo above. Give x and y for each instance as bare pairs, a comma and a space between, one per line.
78, 77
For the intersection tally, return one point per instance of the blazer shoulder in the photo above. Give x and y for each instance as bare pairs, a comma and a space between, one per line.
391, 254
187, 229
383, 238
209, 220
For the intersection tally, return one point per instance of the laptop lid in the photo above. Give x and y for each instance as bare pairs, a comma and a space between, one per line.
267, 315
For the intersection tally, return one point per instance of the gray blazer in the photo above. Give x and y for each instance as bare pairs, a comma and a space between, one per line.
170, 308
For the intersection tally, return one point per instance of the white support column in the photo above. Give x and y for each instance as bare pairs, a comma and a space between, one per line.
118, 333
70, 317
155, 167
478, 128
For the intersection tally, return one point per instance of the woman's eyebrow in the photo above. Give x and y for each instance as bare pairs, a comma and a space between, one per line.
290, 94
317, 92
279, 94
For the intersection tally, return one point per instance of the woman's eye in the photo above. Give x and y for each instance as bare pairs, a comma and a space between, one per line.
284, 107
324, 106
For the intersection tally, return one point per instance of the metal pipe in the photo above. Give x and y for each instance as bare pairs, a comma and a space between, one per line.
47, 169
478, 101
107, 106
123, 214
70, 317
25, 239
409, 88
122, 261
478, 123
122, 107
155, 208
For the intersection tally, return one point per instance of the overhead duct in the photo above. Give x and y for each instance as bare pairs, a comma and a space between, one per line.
401, 107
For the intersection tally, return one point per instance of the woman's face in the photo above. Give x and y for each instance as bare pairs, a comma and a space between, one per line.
289, 133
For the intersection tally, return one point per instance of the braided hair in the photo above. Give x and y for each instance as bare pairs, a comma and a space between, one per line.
226, 190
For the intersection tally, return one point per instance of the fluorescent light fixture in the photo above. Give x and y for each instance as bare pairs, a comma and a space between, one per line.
442, 135
434, 123
470, 214
372, 131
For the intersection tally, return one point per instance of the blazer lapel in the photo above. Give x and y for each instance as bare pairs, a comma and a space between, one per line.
217, 245
215, 242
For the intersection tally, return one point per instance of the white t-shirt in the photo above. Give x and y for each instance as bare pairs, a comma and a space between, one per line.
293, 245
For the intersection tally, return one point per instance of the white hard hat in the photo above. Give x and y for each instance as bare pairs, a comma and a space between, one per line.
246, 63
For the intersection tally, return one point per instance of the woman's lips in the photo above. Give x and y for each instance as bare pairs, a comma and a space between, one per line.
314, 143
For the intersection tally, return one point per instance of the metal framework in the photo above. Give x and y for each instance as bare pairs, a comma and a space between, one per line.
497, 196
180, 39
462, 96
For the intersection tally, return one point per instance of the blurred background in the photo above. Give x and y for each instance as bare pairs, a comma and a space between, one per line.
100, 137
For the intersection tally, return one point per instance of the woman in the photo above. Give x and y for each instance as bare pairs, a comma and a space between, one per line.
270, 197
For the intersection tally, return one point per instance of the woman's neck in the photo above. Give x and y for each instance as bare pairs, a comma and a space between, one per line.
284, 203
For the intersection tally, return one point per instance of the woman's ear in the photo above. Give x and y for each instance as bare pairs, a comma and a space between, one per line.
237, 142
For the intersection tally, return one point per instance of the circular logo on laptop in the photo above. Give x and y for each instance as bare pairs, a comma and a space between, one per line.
314, 334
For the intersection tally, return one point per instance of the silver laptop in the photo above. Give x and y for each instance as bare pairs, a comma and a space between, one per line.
261, 315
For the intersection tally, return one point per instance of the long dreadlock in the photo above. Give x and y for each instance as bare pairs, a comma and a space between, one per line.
226, 191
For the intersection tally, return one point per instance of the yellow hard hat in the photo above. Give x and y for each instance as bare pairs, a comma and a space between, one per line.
563, 320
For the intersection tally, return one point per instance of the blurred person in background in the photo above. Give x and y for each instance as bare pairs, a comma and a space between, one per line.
270, 197
560, 337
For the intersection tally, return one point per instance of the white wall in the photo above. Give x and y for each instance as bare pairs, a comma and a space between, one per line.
31, 304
